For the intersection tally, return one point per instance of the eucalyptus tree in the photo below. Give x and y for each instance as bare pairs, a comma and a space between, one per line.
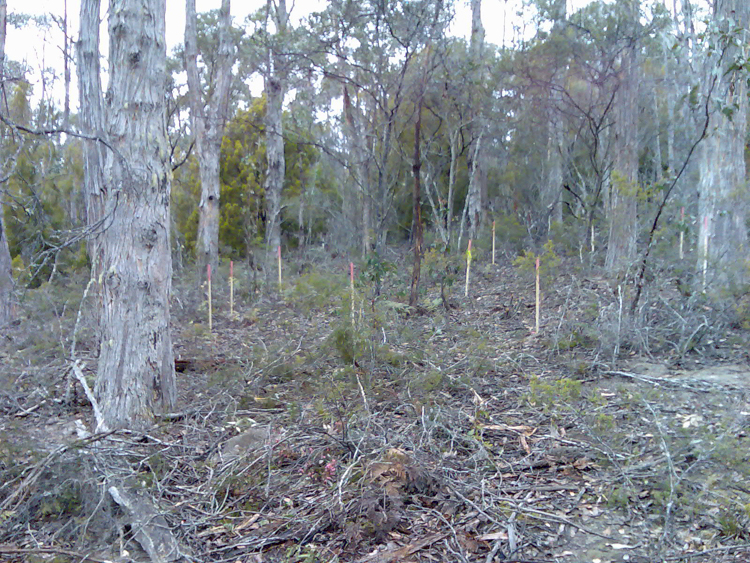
275, 77
6, 267
135, 374
209, 107
622, 212
722, 191
91, 124
477, 194
372, 48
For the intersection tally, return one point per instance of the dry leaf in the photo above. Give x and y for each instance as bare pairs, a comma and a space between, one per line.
492, 536
525, 444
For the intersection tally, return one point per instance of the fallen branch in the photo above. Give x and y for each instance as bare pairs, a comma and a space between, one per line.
12, 550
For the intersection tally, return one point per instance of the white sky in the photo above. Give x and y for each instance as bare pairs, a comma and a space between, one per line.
45, 49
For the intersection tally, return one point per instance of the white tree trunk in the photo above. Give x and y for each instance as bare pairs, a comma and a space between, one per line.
6, 274
209, 117
358, 167
136, 363
477, 186
723, 185
275, 88
623, 195
6, 267
552, 189
91, 115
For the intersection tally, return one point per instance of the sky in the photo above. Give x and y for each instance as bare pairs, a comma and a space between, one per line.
43, 49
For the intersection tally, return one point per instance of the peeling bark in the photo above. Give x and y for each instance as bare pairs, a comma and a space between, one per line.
135, 374
91, 116
723, 199
6, 267
275, 88
208, 118
623, 195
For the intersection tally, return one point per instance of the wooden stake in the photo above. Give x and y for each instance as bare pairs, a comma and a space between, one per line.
493, 242
351, 286
210, 304
538, 296
682, 231
231, 288
468, 268
279, 253
593, 247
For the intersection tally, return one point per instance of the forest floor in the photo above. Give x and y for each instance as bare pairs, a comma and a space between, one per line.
449, 432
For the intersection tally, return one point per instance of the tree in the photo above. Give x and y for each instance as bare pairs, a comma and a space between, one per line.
91, 117
275, 88
6, 269
209, 115
623, 189
477, 196
136, 363
722, 191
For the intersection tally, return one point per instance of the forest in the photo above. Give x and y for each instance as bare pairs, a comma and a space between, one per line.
351, 284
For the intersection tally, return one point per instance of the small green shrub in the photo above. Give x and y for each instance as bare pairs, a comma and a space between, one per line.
314, 291
551, 393
549, 262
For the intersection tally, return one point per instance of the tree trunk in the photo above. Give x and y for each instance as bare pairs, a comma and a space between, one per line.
417, 208
208, 120
91, 116
6, 273
6, 267
66, 66
477, 187
623, 220
722, 189
136, 363
552, 190
275, 88
359, 169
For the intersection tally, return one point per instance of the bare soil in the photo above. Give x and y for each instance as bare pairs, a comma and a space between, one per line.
310, 431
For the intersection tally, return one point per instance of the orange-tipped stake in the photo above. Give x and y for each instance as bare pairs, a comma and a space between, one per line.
468, 268
210, 305
538, 296
231, 288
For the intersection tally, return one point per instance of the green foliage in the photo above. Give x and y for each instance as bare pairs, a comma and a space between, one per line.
509, 233
551, 393
549, 262
350, 344
242, 194
374, 272
43, 193
316, 291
